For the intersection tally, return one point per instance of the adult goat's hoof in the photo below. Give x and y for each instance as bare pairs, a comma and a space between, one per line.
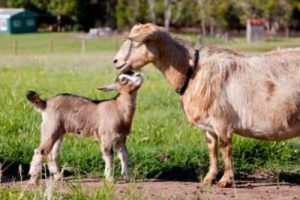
223, 183
207, 181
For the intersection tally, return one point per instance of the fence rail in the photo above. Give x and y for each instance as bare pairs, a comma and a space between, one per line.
63, 43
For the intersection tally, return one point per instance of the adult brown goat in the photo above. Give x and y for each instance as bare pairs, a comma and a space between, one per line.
254, 96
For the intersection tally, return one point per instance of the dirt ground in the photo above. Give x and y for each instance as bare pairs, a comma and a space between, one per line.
159, 189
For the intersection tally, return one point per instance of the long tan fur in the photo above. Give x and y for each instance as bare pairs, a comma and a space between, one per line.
254, 96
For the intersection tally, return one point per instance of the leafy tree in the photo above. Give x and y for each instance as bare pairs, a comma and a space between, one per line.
276, 12
128, 13
209, 15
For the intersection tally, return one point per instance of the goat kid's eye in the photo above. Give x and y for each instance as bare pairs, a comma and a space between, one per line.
123, 80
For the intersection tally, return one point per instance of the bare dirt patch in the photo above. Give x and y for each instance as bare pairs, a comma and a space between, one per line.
160, 189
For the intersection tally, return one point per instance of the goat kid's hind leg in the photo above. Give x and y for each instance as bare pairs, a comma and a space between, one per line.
37, 159
52, 160
123, 156
212, 144
50, 133
35, 167
107, 153
226, 150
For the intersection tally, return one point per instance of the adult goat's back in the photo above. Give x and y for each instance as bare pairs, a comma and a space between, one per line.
255, 96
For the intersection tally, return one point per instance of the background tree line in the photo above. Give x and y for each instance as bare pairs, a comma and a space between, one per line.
209, 16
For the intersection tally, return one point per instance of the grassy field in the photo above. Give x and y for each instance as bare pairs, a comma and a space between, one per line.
161, 143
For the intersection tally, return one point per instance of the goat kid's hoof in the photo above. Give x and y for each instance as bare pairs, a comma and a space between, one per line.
109, 179
57, 177
126, 179
223, 183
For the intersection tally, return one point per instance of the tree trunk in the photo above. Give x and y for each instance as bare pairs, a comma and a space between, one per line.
211, 27
203, 26
287, 32
168, 13
136, 10
110, 5
202, 17
151, 4
179, 11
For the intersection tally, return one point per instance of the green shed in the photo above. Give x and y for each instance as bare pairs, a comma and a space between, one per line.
15, 20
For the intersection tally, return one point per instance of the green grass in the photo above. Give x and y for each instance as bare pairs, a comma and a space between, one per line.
71, 191
43, 43
240, 44
159, 129
55, 42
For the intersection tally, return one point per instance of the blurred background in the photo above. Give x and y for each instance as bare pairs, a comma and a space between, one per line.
207, 17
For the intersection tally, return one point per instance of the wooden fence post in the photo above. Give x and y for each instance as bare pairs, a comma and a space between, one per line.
83, 46
50, 46
15, 47
116, 43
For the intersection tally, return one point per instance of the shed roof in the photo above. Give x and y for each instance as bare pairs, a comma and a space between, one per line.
9, 12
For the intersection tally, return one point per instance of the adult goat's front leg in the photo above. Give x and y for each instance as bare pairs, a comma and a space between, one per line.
212, 144
226, 149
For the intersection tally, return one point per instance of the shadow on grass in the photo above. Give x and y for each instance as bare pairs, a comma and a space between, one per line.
175, 173
274, 179
289, 177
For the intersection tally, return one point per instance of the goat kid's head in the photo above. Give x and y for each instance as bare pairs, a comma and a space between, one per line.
126, 83
140, 47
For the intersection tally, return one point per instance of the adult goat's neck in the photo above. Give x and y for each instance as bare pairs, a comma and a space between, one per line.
173, 60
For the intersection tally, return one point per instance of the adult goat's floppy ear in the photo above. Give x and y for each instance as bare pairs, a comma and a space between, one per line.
108, 88
142, 33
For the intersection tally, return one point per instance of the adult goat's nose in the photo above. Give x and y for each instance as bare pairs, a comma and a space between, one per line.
115, 61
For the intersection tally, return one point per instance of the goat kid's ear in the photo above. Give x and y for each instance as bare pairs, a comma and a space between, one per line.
109, 88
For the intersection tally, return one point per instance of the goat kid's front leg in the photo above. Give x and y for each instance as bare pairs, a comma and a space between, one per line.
123, 156
107, 153
212, 144
226, 150
52, 160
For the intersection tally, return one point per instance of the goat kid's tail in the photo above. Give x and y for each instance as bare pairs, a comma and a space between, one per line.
35, 99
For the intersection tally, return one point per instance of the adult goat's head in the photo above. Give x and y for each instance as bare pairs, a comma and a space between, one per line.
140, 47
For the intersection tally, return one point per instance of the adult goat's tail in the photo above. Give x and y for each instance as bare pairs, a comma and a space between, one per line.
35, 99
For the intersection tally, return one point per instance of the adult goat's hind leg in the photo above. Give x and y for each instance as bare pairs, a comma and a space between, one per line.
212, 144
52, 160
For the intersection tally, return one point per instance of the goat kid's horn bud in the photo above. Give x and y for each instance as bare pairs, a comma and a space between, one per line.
108, 88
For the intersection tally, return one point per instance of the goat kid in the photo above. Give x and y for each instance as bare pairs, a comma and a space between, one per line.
108, 121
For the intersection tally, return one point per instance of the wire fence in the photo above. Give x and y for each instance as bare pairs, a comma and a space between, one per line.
45, 46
